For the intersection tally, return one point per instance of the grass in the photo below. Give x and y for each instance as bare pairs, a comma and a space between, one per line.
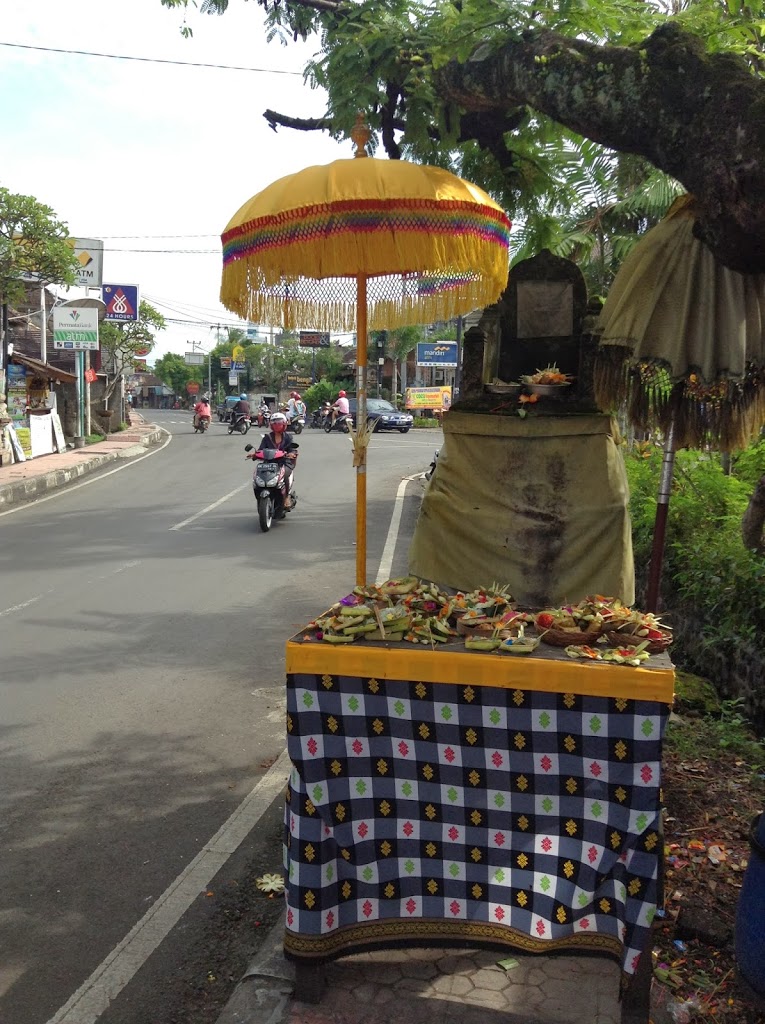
94, 438
706, 727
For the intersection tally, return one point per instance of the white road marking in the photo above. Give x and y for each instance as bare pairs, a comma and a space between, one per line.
19, 607
74, 487
185, 522
112, 975
386, 561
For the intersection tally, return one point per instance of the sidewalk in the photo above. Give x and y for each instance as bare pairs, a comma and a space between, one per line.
30, 480
431, 986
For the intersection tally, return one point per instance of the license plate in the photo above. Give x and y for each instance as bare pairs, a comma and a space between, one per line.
270, 467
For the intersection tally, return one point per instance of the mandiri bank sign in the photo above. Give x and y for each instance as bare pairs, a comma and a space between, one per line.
437, 353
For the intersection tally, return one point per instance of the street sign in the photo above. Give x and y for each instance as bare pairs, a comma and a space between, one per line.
237, 353
439, 353
194, 359
225, 362
233, 379
76, 328
292, 380
238, 367
192, 387
90, 259
121, 302
313, 339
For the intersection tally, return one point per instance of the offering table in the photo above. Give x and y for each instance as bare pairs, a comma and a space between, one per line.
475, 799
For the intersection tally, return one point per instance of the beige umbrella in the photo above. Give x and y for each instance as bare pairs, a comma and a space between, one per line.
364, 244
682, 347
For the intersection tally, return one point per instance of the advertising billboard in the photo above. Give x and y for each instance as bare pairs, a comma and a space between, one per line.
437, 353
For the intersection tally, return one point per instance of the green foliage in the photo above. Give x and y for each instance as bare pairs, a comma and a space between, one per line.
725, 729
32, 241
425, 421
706, 566
324, 390
94, 438
174, 373
120, 344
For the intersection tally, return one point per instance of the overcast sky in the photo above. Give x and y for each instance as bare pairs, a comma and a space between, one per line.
151, 156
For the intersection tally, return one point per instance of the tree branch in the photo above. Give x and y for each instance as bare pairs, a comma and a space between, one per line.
699, 117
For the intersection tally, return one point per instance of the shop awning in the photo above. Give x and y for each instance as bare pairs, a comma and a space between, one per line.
44, 369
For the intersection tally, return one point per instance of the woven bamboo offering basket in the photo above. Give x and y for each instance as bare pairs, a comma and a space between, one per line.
564, 637
629, 638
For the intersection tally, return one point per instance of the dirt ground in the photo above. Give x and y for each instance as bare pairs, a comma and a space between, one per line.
711, 793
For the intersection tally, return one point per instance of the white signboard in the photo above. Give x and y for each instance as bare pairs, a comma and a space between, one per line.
194, 358
90, 260
233, 379
75, 328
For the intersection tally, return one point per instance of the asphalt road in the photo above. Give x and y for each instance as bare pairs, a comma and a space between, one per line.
142, 624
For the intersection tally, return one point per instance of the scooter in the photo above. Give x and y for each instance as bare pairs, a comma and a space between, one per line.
342, 423
296, 424
318, 416
239, 422
433, 465
269, 482
201, 424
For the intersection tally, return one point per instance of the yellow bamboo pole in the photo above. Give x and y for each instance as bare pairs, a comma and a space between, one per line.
361, 419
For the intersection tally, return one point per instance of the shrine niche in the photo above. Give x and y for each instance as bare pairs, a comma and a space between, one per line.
540, 317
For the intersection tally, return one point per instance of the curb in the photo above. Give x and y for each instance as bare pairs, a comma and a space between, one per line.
22, 491
267, 986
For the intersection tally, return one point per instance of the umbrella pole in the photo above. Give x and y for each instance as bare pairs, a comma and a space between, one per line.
361, 422
660, 523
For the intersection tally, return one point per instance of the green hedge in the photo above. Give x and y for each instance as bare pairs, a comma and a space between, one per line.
707, 570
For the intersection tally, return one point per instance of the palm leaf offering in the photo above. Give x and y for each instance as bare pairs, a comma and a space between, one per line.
410, 610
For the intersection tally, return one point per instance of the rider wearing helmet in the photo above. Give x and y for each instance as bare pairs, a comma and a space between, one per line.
202, 411
295, 407
341, 407
241, 408
279, 440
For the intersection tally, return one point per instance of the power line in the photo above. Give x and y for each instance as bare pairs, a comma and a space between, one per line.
152, 60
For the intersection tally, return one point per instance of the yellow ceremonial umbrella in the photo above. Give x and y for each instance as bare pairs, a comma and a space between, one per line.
364, 244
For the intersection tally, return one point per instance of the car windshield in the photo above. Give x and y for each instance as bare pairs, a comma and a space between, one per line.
378, 405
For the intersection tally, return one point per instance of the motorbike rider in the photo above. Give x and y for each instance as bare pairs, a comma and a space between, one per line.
263, 412
241, 408
295, 407
202, 411
278, 439
340, 407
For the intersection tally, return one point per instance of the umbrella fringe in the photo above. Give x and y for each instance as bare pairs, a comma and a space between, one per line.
727, 414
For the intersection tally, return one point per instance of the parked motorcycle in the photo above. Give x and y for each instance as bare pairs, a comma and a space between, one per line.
240, 422
201, 424
319, 415
429, 473
269, 482
296, 424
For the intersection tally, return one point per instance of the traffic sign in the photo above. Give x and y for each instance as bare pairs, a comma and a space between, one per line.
238, 367
121, 302
192, 387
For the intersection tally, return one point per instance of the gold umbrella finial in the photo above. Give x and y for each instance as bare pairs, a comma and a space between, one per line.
360, 135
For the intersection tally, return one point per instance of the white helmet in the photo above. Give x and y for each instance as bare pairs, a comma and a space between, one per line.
278, 420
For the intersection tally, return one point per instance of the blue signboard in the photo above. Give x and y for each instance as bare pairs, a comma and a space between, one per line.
121, 302
437, 353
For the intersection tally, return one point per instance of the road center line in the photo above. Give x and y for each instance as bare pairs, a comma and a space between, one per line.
112, 975
19, 607
236, 490
386, 561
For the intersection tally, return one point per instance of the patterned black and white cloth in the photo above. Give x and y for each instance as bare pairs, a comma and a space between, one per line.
436, 813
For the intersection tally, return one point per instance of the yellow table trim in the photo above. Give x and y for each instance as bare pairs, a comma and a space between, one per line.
477, 669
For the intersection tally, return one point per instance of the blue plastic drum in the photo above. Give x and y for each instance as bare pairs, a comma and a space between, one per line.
750, 915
